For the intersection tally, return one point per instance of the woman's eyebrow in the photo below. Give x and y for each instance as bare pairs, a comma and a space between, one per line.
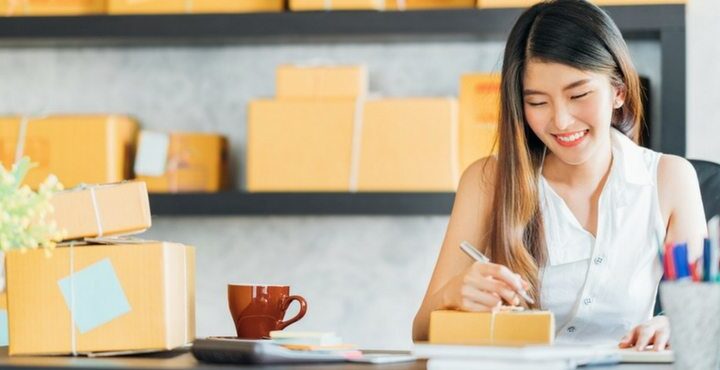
577, 83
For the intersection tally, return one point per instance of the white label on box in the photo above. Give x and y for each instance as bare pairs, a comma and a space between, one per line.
152, 152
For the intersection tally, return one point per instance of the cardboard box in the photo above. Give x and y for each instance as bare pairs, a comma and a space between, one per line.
503, 328
193, 6
51, 7
528, 3
188, 162
302, 5
347, 82
104, 210
300, 145
130, 297
91, 149
428, 4
409, 145
479, 116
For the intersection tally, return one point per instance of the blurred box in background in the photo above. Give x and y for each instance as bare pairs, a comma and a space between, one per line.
427, 4
300, 5
528, 3
90, 149
102, 210
479, 115
297, 81
409, 144
182, 162
51, 7
193, 6
119, 297
300, 144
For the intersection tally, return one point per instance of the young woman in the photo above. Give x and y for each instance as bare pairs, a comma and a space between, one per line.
571, 208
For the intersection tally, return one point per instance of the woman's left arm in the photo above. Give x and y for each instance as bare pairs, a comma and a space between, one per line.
682, 208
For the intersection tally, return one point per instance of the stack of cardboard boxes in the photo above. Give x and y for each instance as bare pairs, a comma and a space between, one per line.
119, 7
193, 6
528, 3
321, 133
108, 295
96, 149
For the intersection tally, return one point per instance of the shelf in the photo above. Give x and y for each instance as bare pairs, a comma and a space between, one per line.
640, 21
663, 23
263, 204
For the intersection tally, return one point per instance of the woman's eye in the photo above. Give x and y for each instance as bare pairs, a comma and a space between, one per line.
536, 104
580, 96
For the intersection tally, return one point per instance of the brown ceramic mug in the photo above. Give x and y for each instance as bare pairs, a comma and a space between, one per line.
259, 309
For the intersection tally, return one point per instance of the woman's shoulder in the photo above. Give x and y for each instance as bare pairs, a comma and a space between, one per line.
677, 182
675, 170
481, 173
478, 180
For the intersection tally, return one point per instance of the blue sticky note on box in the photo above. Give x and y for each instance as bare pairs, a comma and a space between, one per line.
97, 296
3, 328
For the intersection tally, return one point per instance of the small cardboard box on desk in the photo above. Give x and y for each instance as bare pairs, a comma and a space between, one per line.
110, 295
502, 328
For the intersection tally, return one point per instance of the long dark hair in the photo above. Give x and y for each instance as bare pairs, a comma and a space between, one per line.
574, 33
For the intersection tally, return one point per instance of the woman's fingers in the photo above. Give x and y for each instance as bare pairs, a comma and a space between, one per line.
474, 299
629, 339
499, 288
661, 339
499, 272
645, 335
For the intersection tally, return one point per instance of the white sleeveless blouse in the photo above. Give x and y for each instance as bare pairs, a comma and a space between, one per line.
601, 287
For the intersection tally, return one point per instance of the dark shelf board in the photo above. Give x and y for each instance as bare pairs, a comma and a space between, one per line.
263, 204
632, 20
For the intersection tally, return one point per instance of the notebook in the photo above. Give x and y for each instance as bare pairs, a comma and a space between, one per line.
629, 356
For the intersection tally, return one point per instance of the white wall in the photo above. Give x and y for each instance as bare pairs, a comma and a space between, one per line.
703, 79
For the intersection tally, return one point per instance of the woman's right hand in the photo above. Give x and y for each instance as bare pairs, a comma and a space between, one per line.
482, 287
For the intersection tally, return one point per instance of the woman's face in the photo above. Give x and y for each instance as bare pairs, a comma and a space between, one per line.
569, 109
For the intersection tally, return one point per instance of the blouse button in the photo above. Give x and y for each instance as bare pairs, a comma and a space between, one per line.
571, 329
599, 260
587, 301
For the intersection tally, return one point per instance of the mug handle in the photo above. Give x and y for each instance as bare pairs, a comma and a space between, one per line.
303, 309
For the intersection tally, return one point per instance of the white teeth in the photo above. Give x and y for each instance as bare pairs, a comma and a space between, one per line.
572, 137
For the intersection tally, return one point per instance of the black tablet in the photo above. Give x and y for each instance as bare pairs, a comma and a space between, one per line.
229, 350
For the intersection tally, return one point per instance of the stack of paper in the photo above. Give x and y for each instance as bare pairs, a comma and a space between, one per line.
457, 357
309, 341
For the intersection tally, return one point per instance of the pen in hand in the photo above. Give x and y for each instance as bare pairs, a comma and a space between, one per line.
481, 258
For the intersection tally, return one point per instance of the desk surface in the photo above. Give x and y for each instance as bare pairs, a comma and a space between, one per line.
184, 360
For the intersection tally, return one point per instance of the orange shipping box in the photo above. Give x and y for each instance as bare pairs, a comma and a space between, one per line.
503, 328
479, 116
182, 162
51, 7
193, 6
528, 3
409, 145
300, 145
90, 149
348, 82
300, 5
100, 298
428, 4
103, 210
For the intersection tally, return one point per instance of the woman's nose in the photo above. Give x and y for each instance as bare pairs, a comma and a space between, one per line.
562, 118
